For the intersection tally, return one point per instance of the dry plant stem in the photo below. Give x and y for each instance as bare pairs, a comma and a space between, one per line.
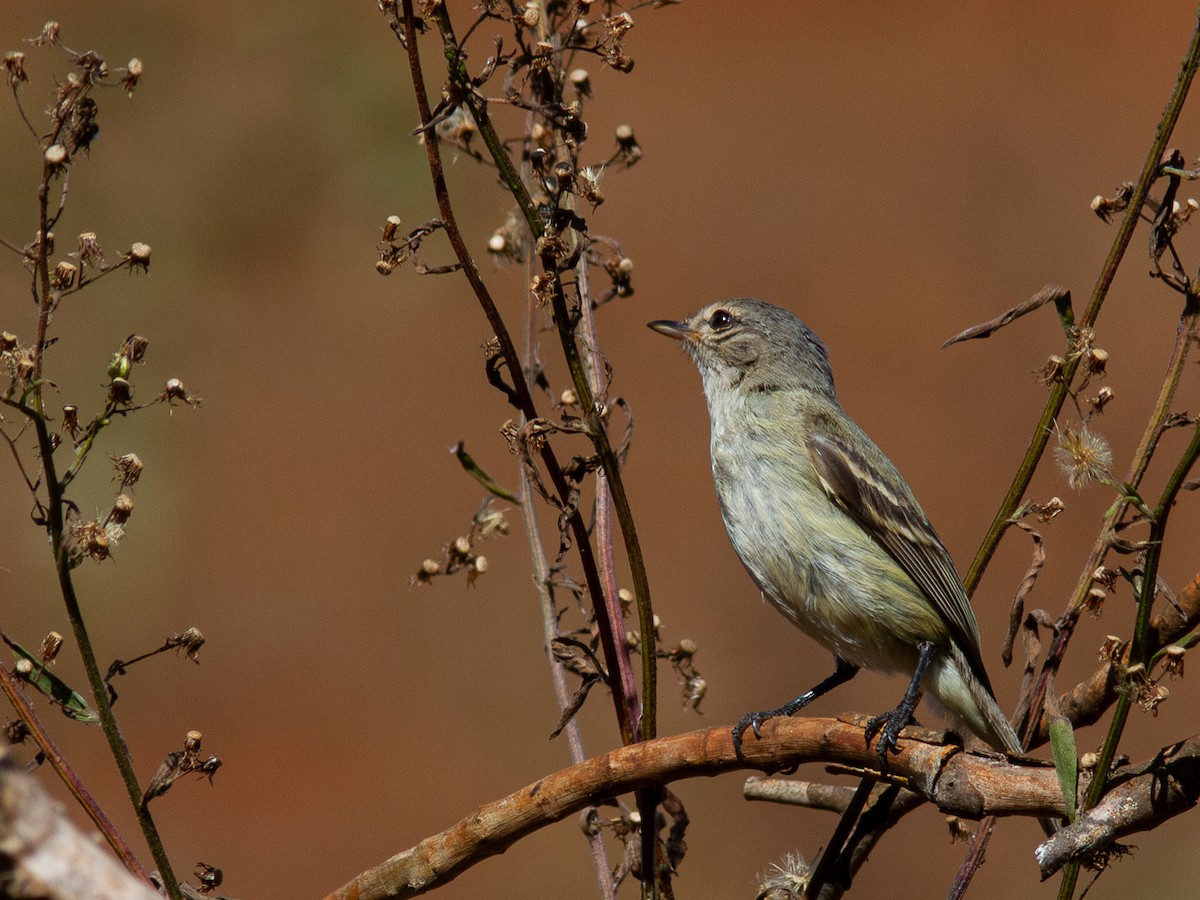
1141, 461
562, 319
558, 677
70, 778
974, 858
1139, 651
55, 502
509, 352
1058, 393
958, 782
604, 535
108, 722
562, 694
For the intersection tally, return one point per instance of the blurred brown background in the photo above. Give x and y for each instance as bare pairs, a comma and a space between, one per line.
891, 175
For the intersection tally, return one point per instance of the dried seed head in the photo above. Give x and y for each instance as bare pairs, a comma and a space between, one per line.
786, 879
589, 185
1052, 370
1096, 360
390, 227
14, 67
1106, 576
56, 158
133, 73
89, 539
90, 252
430, 567
23, 667
564, 174
63, 276
1102, 399
122, 509
1111, 649
129, 467
1083, 455
135, 347
139, 257
582, 82
7, 341
1173, 661
1089, 761
481, 565
497, 243
1150, 694
49, 34
687, 647
190, 641
71, 419
120, 391
568, 398
626, 598
462, 546
51, 644
1050, 509
192, 741
1094, 600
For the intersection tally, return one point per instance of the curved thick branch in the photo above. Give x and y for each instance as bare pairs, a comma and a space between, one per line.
1148, 796
961, 783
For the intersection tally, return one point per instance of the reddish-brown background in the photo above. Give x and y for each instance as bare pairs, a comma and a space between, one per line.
891, 175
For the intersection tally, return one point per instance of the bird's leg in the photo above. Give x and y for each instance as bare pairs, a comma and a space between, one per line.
890, 723
843, 673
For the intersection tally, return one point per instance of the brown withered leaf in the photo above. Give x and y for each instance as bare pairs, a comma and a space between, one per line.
1051, 293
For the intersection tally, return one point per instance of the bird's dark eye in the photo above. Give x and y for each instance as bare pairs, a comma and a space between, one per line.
720, 320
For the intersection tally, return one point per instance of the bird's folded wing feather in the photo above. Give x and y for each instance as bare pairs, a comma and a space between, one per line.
897, 524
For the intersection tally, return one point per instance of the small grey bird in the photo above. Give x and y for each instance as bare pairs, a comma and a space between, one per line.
826, 526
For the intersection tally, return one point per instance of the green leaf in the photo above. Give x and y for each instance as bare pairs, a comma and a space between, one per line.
71, 702
481, 476
1066, 761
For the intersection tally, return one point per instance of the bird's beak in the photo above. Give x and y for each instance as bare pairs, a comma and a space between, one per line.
680, 331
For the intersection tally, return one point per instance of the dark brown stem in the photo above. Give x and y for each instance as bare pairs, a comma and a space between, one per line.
512, 359
10, 688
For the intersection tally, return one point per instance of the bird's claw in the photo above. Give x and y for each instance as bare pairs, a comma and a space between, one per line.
888, 726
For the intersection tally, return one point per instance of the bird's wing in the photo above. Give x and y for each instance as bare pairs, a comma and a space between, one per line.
896, 523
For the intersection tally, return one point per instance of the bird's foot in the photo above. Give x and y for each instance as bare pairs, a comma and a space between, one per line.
888, 726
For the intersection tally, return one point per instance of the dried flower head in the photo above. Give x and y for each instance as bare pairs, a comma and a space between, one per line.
133, 74
1051, 371
138, 257
122, 509
785, 880
120, 391
71, 419
129, 468
1173, 656
1084, 456
582, 82
14, 68
628, 149
51, 644
56, 158
49, 35
64, 275
90, 252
